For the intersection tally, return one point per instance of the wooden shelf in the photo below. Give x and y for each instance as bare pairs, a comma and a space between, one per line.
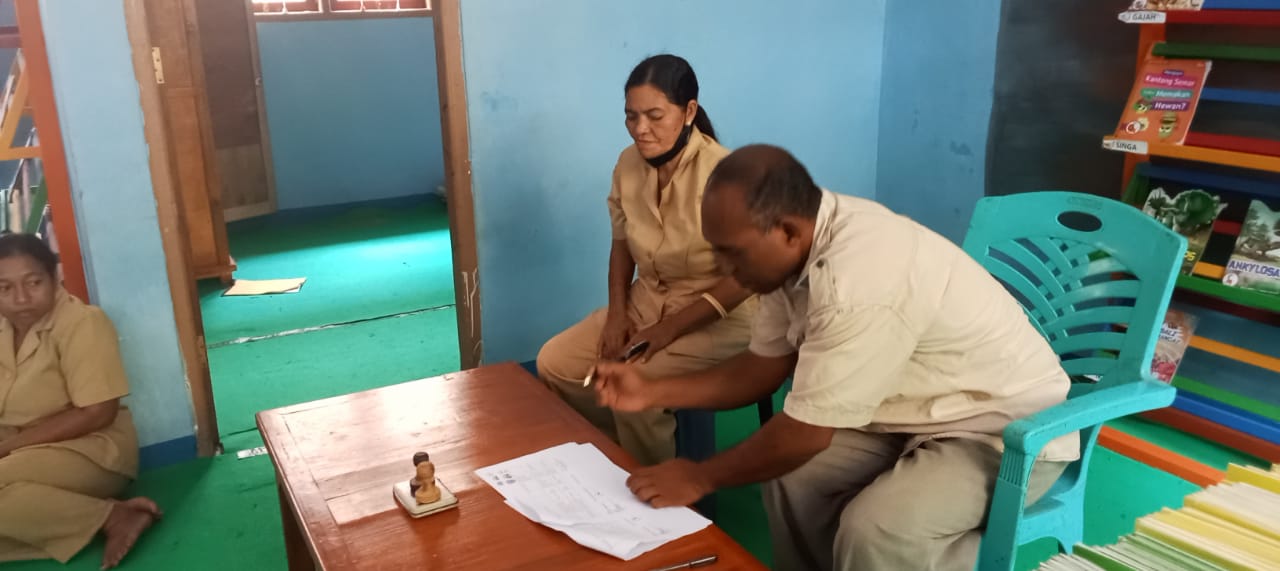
1209, 430
1184, 383
1216, 156
1245, 96
1217, 51
1246, 145
1260, 18
1226, 157
1239, 296
1200, 400
1241, 5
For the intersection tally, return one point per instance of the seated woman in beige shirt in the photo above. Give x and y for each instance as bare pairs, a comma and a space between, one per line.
688, 313
67, 445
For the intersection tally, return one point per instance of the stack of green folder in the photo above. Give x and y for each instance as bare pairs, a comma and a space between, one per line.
1230, 526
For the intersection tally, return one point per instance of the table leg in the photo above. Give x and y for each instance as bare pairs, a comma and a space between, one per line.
295, 546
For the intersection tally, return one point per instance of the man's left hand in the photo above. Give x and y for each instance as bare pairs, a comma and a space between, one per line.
673, 483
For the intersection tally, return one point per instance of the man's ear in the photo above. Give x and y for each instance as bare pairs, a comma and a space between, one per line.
791, 229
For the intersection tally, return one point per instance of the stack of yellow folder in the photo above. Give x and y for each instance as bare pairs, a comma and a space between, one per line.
1230, 526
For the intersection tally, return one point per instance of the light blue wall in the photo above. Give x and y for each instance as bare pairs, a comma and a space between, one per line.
939, 73
353, 108
101, 118
544, 96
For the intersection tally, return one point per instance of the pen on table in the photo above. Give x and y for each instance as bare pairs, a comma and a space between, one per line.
699, 562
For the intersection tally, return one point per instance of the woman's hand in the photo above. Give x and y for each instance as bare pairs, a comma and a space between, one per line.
659, 335
615, 335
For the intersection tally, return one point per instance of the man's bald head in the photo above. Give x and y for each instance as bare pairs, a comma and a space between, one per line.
771, 182
758, 214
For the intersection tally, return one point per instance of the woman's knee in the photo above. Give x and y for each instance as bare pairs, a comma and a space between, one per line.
552, 363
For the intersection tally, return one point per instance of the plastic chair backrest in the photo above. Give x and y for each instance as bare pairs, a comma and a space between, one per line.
1087, 270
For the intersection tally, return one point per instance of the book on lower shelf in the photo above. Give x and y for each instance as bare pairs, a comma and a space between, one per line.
1232, 525
1255, 261
1171, 345
1189, 211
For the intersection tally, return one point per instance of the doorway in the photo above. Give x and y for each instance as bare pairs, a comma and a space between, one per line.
323, 154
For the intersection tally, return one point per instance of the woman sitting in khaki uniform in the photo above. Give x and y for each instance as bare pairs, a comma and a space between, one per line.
690, 315
66, 444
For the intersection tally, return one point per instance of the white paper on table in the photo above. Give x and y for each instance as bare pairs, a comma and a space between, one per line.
575, 489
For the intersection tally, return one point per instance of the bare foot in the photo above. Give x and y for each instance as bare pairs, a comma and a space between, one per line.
127, 520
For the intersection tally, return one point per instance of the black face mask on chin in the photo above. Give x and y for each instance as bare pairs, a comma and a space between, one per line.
681, 142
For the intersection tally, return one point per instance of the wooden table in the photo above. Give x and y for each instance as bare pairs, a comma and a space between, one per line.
337, 458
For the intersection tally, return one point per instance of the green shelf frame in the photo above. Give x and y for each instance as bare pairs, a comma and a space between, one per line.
1227, 397
1239, 296
1217, 51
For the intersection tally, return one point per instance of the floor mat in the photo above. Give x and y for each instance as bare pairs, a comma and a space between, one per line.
219, 513
371, 260
260, 375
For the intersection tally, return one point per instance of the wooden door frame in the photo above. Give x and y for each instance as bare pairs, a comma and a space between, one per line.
182, 284
173, 233
457, 173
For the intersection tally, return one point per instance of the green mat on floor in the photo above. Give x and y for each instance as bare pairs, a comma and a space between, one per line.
366, 261
219, 513
250, 377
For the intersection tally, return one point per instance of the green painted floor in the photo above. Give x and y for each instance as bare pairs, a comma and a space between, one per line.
372, 260
382, 272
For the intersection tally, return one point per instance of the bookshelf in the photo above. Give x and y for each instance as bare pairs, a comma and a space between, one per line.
1205, 406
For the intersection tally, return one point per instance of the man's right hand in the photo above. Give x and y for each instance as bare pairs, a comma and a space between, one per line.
615, 335
621, 387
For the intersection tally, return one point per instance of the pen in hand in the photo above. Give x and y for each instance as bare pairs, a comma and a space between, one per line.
632, 353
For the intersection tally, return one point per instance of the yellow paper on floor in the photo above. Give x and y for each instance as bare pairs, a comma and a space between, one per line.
266, 287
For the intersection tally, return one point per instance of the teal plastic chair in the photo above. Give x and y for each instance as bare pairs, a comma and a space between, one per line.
1095, 277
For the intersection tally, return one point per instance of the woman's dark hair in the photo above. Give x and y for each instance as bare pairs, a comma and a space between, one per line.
29, 245
674, 77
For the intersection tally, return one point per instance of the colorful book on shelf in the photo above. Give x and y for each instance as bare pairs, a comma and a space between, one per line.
1187, 211
1175, 336
1227, 526
1165, 95
1255, 262
1153, 11
1164, 5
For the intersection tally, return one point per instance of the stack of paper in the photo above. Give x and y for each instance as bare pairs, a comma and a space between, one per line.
575, 489
1232, 525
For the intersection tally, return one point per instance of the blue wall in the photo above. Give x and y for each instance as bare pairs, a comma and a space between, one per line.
353, 108
939, 74
115, 206
546, 126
